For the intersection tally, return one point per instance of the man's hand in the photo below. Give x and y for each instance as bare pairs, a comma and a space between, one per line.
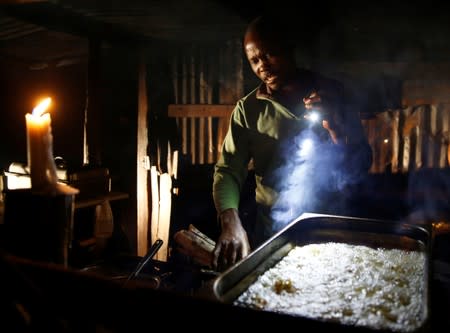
327, 105
232, 244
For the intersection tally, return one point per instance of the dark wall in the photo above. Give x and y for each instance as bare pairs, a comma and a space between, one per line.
20, 91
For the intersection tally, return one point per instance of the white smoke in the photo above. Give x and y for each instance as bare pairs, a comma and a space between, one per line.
314, 178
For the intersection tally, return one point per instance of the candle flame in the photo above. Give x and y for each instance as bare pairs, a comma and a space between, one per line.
41, 107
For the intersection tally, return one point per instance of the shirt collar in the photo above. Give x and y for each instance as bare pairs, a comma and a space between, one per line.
262, 92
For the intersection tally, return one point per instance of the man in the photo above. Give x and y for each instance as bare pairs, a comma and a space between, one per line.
268, 128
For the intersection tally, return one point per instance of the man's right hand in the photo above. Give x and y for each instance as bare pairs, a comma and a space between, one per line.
232, 244
326, 102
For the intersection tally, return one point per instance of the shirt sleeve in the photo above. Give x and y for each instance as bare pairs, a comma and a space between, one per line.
232, 167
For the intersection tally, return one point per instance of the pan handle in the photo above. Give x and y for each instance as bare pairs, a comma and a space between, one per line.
150, 254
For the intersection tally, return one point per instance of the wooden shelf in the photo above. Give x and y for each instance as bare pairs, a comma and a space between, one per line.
112, 196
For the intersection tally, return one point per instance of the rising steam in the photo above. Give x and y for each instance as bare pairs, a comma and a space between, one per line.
316, 177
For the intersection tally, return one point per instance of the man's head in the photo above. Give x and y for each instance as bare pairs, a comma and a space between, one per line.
269, 51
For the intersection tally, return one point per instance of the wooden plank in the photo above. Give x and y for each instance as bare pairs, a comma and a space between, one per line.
395, 141
142, 142
409, 124
111, 196
184, 135
169, 158
193, 141
419, 141
200, 110
175, 165
201, 139
443, 161
155, 203
210, 141
184, 82
192, 79
409, 139
165, 204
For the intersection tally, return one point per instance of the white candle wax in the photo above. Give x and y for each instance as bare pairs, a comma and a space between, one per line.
40, 148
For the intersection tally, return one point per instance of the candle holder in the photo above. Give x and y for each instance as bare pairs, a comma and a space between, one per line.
39, 226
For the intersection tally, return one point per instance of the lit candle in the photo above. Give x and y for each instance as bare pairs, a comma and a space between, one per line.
40, 147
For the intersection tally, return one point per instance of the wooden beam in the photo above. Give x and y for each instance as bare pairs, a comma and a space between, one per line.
202, 146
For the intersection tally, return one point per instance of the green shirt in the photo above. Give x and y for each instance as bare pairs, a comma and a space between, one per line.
258, 126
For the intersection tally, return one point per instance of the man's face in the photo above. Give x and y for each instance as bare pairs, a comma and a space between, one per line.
268, 61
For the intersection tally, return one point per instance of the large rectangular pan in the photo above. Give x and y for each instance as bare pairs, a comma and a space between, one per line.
318, 228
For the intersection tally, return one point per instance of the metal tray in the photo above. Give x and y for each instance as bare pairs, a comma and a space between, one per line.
317, 228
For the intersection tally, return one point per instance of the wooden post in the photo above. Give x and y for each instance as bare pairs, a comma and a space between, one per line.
432, 153
210, 141
420, 139
142, 166
184, 100
443, 109
395, 141
209, 100
93, 115
202, 100
193, 122
193, 141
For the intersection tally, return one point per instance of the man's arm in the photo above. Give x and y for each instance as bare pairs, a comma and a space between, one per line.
230, 173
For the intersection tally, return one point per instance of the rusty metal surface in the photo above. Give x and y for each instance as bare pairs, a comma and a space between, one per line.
315, 228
